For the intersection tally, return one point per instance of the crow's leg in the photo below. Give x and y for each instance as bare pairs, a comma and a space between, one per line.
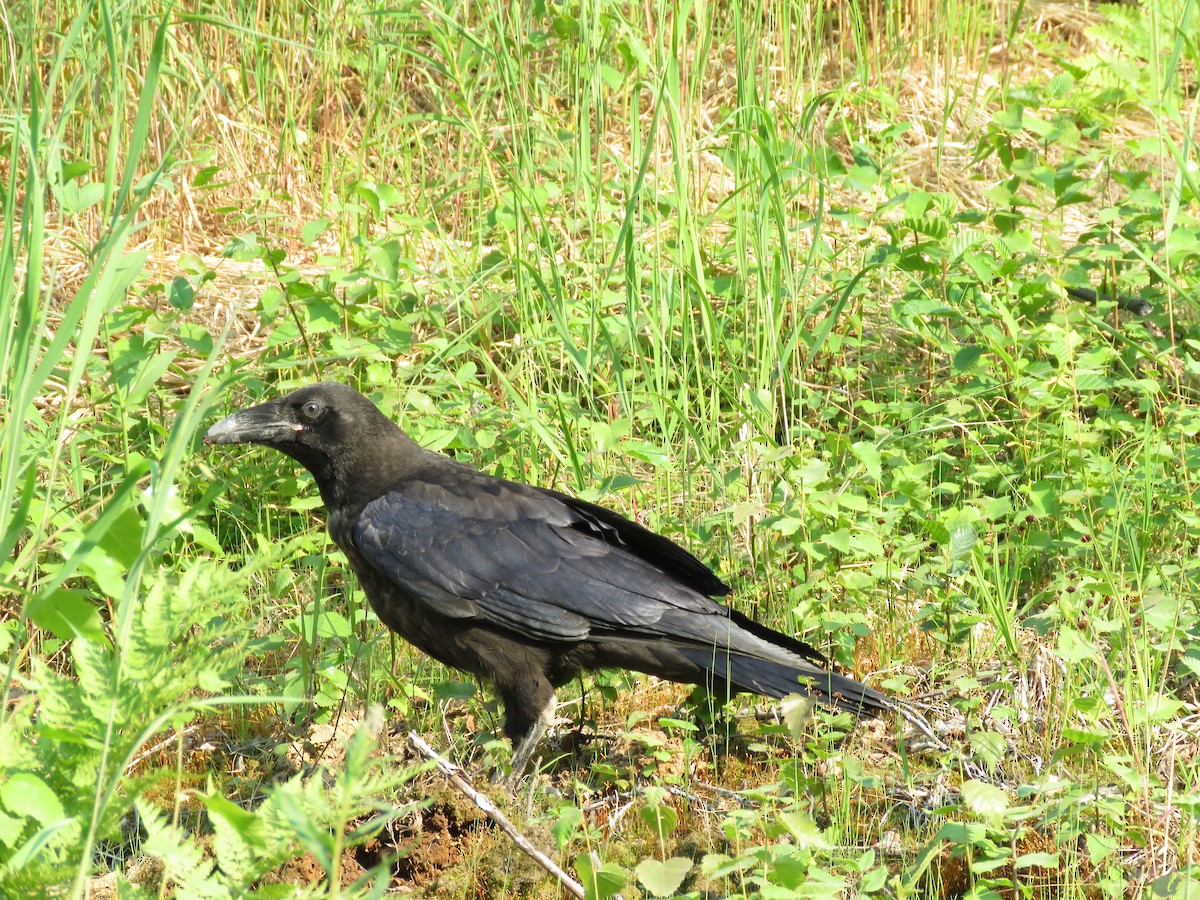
523, 750
529, 711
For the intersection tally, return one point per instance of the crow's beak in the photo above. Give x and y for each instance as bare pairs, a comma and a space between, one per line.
258, 425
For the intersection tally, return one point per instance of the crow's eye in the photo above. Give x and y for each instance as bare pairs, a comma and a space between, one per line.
311, 409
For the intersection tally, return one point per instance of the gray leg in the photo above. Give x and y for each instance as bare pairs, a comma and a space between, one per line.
523, 749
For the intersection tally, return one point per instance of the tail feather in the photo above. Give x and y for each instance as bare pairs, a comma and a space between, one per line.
735, 652
778, 678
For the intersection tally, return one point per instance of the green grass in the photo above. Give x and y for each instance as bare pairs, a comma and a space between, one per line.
784, 281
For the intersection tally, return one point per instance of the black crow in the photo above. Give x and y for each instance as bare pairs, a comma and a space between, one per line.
519, 585
1139, 306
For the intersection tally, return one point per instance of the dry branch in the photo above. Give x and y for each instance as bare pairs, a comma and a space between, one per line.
484, 803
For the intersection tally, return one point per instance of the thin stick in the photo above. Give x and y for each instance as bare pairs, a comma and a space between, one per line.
915, 719
450, 770
161, 745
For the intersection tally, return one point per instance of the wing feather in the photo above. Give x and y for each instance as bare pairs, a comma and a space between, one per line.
519, 558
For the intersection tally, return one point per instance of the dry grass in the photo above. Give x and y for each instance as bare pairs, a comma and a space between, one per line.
284, 175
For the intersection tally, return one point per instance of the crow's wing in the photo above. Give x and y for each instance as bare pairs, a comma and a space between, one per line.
662, 552
471, 546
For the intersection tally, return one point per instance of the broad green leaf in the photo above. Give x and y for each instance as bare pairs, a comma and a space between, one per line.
660, 818
790, 867
839, 540
314, 229
1156, 709
663, 878
983, 799
1060, 85
66, 613
812, 473
247, 825
180, 293
566, 825
25, 794
873, 880
1093, 735
718, 865
10, 830
797, 710
321, 316
803, 830
1100, 846
965, 359
962, 540
454, 690
989, 746
599, 882
1073, 647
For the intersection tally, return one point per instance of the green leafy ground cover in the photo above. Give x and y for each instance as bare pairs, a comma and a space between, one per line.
785, 281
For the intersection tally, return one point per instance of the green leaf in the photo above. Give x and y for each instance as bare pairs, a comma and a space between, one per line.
962, 539
454, 690
321, 316
27, 853
983, 799
989, 746
812, 473
1156, 709
246, 824
718, 865
797, 710
1009, 119
1176, 886
1101, 845
1060, 85
565, 27
792, 869
76, 198
660, 818
333, 624
566, 826
108, 572
316, 840
10, 830
1041, 860
313, 230
663, 878
669, 724
803, 830
192, 263
122, 541
873, 880
67, 614
1093, 735
867, 545
839, 540
211, 681
965, 359
180, 293
917, 203
599, 882
1073, 647
27, 795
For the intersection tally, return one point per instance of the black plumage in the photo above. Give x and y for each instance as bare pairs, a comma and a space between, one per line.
1139, 306
520, 585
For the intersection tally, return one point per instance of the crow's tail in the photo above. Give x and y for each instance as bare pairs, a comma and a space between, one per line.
780, 677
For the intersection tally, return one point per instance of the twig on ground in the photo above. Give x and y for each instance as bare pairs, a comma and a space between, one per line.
918, 721
484, 803
161, 745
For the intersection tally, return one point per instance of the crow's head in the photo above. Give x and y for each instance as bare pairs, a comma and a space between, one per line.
329, 428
